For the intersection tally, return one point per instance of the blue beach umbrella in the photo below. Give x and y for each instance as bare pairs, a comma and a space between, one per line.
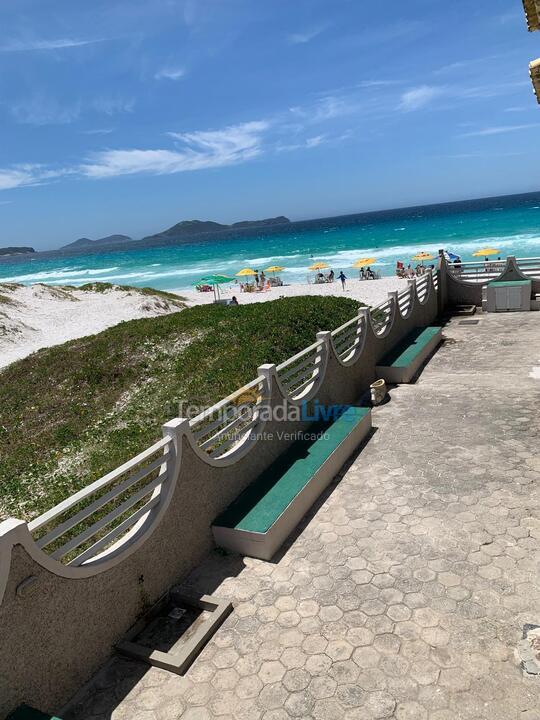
451, 257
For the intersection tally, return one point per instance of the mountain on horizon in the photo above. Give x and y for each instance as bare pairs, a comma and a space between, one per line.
182, 230
86, 242
191, 228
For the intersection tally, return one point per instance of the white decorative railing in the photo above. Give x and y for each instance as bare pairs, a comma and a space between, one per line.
298, 372
529, 267
477, 272
484, 271
78, 529
221, 427
347, 338
95, 522
381, 317
405, 300
422, 287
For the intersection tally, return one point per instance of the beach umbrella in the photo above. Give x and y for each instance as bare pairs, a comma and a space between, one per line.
424, 256
450, 256
246, 273
364, 262
274, 269
318, 266
486, 251
215, 281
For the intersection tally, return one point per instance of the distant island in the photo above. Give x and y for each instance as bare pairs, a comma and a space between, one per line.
16, 251
86, 242
184, 230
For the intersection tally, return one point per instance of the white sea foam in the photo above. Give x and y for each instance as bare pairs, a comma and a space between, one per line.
49, 275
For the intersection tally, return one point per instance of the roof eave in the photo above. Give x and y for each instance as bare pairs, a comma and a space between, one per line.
534, 69
532, 13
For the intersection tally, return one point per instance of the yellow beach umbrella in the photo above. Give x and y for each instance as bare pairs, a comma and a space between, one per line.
486, 251
246, 272
364, 262
318, 266
424, 256
274, 269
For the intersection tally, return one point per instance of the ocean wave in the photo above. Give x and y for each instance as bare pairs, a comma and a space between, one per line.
64, 274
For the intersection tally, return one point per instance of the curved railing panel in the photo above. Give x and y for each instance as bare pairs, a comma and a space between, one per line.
382, 317
76, 530
406, 301
298, 374
422, 288
219, 430
348, 340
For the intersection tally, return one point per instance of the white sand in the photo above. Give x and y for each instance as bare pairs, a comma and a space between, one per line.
370, 292
39, 316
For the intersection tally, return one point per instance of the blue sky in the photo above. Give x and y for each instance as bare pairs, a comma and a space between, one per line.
128, 116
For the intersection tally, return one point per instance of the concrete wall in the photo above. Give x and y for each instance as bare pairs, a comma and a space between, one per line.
58, 623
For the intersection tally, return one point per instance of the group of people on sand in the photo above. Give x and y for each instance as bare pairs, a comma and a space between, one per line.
260, 283
367, 274
320, 278
410, 271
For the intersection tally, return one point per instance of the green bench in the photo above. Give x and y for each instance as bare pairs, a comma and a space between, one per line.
263, 516
25, 712
402, 363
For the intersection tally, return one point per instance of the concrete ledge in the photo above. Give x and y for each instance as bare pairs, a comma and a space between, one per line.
401, 374
265, 545
182, 654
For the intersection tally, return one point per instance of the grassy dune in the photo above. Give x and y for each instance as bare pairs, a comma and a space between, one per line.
71, 413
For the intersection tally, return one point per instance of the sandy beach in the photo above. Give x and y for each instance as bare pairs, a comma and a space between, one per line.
38, 316
370, 292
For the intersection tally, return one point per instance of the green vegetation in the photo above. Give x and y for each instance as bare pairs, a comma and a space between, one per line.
101, 287
69, 414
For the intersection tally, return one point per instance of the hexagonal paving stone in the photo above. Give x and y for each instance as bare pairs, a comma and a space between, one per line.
379, 704
271, 672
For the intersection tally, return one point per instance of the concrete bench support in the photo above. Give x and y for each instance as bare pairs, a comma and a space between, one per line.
261, 519
403, 362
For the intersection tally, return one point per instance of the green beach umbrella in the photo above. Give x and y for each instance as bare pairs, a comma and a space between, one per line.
215, 281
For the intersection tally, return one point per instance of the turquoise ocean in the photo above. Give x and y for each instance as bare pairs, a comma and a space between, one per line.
511, 224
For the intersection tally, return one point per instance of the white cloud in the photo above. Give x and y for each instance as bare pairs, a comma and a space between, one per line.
113, 105
98, 131
58, 44
196, 151
25, 175
170, 73
377, 83
301, 38
42, 110
419, 97
499, 130
326, 108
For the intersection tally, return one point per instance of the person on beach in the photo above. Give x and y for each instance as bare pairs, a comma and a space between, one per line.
370, 274
233, 300
331, 276
257, 278
262, 279
342, 277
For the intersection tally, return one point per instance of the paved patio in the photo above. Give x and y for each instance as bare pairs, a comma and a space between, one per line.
405, 592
